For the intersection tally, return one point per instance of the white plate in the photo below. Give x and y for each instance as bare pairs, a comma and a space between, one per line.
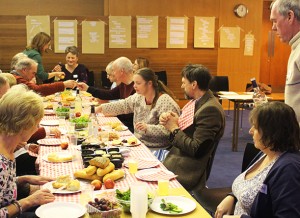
49, 112
152, 175
187, 205
60, 210
49, 141
60, 155
49, 186
145, 163
49, 122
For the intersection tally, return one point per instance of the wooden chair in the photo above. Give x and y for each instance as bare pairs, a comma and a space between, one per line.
162, 76
211, 198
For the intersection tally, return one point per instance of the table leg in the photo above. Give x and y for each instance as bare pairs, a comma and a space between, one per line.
235, 130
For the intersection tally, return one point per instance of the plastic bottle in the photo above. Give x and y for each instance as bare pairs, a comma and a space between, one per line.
78, 102
259, 97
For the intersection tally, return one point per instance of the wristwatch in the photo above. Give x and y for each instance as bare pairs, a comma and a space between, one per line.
173, 134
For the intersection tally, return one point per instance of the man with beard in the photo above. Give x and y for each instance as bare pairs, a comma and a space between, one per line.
194, 133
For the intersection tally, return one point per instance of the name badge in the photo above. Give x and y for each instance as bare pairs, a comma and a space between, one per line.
264, 189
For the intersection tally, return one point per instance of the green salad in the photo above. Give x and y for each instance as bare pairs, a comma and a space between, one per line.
80, 122
168, 206
62, 112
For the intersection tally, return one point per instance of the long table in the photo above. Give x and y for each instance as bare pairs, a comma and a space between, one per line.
57, 169
239, 99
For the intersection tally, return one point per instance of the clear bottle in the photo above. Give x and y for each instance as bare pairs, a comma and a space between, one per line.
78, 102
93, 124
259, 97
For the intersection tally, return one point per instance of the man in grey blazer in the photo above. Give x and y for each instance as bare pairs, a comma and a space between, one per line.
193, 145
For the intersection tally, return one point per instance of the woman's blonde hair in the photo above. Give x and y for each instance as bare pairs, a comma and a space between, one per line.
10, 78
20, 110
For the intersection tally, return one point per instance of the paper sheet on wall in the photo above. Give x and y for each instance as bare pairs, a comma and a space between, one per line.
177, 30
230, 37
36, 24
119, 32
147, 31
204, 32
65, 34
249, 44
93, 33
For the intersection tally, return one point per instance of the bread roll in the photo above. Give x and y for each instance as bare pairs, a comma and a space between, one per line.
108, 169
114, 175
90, 170
101, 162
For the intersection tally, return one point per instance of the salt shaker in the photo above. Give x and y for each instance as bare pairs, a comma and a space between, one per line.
138, 200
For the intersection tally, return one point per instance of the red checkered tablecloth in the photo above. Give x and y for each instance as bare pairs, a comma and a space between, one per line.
57, 169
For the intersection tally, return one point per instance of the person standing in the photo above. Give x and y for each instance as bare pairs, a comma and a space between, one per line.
194, 133
39, 45
285, 16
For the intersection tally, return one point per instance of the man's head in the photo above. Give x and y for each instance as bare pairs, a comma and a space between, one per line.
15, 60
195, 79
285, 16
122, 69
27, 68
4, 85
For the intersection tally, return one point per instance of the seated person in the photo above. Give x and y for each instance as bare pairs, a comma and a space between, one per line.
72, 69
139, 63
151, 99
122, 69
20, 113
270, 186
25, 71
195, 132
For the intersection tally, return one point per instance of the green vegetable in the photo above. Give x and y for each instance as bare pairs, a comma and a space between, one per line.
62, 109
172, 208
123, 195
80, 122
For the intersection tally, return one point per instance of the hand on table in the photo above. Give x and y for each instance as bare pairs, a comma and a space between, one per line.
55, 131
225, 207
34, 180
34, 148
37, 198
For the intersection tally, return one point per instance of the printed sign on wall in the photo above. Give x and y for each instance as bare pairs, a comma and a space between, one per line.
204, 32
36, 24
177, 29
119, 31
230, 37
93, 34
147, 31
65, 34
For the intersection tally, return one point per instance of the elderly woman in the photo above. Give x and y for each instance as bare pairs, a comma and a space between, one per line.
72, 69
20, 113
151, 99
270, 187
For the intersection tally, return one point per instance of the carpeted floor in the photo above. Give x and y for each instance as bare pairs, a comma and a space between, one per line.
227, 164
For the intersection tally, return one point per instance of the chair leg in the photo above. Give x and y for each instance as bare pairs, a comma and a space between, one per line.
228, 108
242, 119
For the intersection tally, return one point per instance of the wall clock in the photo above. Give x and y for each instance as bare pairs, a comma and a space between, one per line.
240, 10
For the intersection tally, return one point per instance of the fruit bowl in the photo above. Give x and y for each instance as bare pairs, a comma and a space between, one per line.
95, 211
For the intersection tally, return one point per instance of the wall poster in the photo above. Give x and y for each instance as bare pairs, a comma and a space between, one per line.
65, 34
119, 31
177, 30
204, 32
93, 33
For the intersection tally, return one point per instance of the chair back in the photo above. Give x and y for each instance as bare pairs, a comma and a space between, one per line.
91, 78
211, 158
250, 152
162, 76
105, 83
219, 83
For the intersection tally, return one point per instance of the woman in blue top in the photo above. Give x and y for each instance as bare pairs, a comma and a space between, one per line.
270, 187
40, 43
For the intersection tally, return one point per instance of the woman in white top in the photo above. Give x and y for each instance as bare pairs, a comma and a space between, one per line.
151, 99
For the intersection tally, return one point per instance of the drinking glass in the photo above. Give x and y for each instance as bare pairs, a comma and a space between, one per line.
138, 200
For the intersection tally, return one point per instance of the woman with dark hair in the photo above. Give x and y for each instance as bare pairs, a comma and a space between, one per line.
140, 63
40, 44
72, 69
151, 99
270, 186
